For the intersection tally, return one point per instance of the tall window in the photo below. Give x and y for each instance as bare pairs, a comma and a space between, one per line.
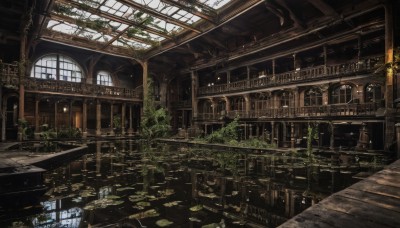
57, 67
286, 99
342, 94
313, 97
373, 93
104, 78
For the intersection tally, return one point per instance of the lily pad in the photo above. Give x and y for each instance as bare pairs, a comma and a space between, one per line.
171, 204
164, 223
145, 214
143, 204
136, 198
102, 203
196, 208
193, 219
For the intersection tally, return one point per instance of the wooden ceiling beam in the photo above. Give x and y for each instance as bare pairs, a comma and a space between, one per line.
158, 14
191, 10
322, 6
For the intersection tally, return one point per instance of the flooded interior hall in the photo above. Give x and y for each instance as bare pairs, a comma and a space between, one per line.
199, 113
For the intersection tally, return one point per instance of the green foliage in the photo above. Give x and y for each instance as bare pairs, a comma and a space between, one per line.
312, 134
225, 134
117, 121
257, 143
155, 121
69, 133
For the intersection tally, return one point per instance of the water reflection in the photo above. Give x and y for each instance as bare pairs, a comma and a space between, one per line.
122, 183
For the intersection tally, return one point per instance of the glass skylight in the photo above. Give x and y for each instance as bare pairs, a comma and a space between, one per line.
136, 23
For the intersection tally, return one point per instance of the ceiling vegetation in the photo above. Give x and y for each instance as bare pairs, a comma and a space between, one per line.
136, 26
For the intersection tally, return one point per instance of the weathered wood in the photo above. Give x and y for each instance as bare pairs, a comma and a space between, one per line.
373, 202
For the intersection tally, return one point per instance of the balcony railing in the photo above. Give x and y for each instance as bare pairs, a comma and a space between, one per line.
9, 77
305, 74
78, 88
367, 109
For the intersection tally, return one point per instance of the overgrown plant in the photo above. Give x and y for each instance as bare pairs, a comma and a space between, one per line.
225, 134
155, 121
312, 134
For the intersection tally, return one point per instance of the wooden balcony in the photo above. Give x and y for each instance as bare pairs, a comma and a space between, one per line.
182, 104
303, 75
336, 110
9, 78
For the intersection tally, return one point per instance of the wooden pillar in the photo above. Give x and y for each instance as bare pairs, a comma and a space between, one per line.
123, 118
37, 130
84, 118
272, 132
292, 138
3, 119
130, 129
195, 86
70, 122
145, 78
248, 76
55, 116
389, 43
98, 118
247, 105
273, 68
112, 118
332, 138
325, 50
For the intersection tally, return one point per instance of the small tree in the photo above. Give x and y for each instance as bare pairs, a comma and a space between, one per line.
155, 121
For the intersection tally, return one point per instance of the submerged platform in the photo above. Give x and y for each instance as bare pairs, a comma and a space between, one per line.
373, 202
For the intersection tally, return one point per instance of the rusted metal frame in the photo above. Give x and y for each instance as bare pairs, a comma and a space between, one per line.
192, 11
158, 14
116, 18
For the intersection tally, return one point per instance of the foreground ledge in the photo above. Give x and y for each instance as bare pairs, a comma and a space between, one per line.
373, 202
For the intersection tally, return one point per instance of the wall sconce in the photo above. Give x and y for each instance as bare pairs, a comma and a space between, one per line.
65, 109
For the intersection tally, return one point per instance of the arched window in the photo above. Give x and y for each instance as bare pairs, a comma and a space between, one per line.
57, 67
312, 97
286, 99
373, 93
342, 94
104, 78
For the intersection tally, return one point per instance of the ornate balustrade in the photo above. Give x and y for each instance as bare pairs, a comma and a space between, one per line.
9, 77
34, 84
367, 109
305, 74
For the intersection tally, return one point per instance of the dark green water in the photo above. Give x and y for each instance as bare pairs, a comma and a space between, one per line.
121, 184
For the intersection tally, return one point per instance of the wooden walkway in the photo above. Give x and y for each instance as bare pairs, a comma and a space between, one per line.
373, 202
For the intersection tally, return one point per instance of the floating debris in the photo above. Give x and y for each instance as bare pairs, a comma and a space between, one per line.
164, 223
171, 204
196, 208
145, 214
